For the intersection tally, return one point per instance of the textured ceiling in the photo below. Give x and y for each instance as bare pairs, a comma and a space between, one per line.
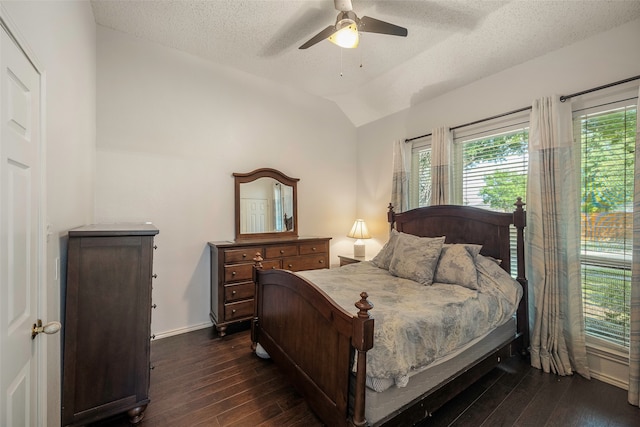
450, 43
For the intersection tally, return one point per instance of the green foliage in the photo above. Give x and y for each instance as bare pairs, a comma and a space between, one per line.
608, 150
608, 147
502, 186
502, 189
424, 183
495, 149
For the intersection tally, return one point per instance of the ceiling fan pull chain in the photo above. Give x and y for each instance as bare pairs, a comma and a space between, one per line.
340, 62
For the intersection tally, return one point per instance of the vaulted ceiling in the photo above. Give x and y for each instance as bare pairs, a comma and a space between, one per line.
450, 43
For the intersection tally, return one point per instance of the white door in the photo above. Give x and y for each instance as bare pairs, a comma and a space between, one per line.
254, 216
20, 241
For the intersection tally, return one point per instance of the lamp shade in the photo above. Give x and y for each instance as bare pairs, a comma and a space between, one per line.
359, 230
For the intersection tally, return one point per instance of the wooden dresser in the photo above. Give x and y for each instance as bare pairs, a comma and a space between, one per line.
232, 287
107, 322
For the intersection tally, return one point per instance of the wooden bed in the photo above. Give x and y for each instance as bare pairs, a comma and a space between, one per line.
314, 341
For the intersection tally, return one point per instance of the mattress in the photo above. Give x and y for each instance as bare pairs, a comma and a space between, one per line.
415, 325
380, 405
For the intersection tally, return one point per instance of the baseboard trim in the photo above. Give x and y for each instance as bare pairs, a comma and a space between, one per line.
609, 380
608, 366
186, 329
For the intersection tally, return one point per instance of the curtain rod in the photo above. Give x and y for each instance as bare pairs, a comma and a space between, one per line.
619, 82
563, 98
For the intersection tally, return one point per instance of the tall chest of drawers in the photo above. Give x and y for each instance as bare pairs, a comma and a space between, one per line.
107, 324
232, 286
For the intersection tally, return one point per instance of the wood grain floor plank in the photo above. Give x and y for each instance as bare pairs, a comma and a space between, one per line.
590, 403
541, 407
214, 401
483, 407
524, 388
292, 415
203, 380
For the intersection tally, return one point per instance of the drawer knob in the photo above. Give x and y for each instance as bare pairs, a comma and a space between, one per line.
155, 276
155, 246
233, 311
233, 273
244, 255
233, 292
153, 337
321, 261
290, 265
281, 251
313, 249
154, 306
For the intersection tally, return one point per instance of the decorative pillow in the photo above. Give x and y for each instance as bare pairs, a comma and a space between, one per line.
383, 258
415, 258
457, 265
474, 250
492, 277
496, 260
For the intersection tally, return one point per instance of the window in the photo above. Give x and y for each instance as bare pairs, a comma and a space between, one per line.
491, 168
607, 137
420, 184
490, 165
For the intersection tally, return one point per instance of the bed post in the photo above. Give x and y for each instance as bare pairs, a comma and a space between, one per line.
520, 221
362, 341
391, 217
254, 322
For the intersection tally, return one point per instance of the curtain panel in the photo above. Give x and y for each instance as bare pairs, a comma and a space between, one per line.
634, 339
553, 234
441, 166
400, 179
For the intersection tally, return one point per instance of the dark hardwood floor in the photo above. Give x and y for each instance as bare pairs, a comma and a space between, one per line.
202, 380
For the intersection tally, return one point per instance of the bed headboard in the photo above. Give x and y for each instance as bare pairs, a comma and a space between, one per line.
465, 224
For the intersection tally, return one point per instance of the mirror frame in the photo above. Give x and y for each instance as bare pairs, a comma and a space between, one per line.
241, 178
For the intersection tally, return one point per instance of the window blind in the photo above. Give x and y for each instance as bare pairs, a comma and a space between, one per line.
420, 184
490, 164
607, 135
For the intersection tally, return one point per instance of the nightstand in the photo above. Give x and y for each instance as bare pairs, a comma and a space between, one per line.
344, 259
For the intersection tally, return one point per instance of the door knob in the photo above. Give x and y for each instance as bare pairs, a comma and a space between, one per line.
49, 329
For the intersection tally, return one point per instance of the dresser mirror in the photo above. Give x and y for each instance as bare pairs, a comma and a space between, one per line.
265, 205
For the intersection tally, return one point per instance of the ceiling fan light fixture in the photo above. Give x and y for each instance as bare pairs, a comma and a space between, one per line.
347, 36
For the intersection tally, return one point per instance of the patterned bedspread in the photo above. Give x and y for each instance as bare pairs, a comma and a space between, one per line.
416, 324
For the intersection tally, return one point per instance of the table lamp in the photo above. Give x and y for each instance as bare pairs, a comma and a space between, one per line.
359, 231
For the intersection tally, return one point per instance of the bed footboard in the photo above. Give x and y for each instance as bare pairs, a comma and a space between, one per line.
313, 341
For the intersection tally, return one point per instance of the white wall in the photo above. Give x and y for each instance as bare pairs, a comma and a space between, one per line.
61, 34
605, 58
171, 130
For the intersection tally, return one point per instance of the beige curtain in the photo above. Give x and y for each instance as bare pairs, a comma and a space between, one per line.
400, 183
441, 166
634, 342
553, 236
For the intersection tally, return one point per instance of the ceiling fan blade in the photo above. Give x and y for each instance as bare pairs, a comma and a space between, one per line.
319, 37
371, 25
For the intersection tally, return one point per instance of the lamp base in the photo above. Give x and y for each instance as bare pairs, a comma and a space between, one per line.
358, 249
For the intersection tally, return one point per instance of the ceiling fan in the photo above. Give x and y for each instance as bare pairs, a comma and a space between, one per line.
345, 31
